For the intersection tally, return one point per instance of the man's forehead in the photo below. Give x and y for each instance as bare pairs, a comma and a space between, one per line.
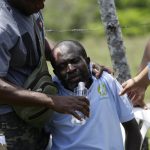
57, 52
65, 53
63, 50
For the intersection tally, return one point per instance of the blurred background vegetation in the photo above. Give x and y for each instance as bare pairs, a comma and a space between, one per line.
62, 16
72, 14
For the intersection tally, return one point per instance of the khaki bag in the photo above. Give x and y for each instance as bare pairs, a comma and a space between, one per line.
40, 81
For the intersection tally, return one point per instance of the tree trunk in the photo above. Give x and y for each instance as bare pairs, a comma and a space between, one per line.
114, 39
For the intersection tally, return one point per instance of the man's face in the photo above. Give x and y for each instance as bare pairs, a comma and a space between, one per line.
29, 7
71, 67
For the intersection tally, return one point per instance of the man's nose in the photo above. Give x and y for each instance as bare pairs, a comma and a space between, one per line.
70, 67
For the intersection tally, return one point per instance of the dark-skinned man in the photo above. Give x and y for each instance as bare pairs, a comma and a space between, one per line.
21, 49
101, 131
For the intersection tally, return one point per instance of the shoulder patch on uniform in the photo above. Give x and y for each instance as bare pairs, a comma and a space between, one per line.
102, 89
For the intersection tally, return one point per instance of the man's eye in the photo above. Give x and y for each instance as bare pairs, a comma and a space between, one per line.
75, 61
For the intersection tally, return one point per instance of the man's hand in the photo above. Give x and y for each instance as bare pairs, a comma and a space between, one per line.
71, 104
97, 70
135, 92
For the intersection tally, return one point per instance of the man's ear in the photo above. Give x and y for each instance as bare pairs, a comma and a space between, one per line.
55, 72
88, 60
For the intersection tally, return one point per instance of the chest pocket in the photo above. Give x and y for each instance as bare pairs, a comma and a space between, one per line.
31, 57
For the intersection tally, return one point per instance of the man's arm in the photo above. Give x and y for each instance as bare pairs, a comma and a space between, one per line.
146, 57
13, 95
138, 99
136, 87
133, 136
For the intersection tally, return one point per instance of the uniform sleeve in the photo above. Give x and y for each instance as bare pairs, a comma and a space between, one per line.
123, 104
6, 44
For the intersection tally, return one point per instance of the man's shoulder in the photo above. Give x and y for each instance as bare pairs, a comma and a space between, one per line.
57, 82
107, 77
110, 82
6, 18
55, 79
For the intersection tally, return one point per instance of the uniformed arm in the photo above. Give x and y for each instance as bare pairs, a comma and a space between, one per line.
11, 94
133, 136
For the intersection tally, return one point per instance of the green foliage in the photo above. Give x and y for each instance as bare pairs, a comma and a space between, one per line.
134, 21
132, 3
98, 51
133, 17
84, 14
61, 15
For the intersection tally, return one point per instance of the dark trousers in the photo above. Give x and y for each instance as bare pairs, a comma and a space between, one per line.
20, 135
